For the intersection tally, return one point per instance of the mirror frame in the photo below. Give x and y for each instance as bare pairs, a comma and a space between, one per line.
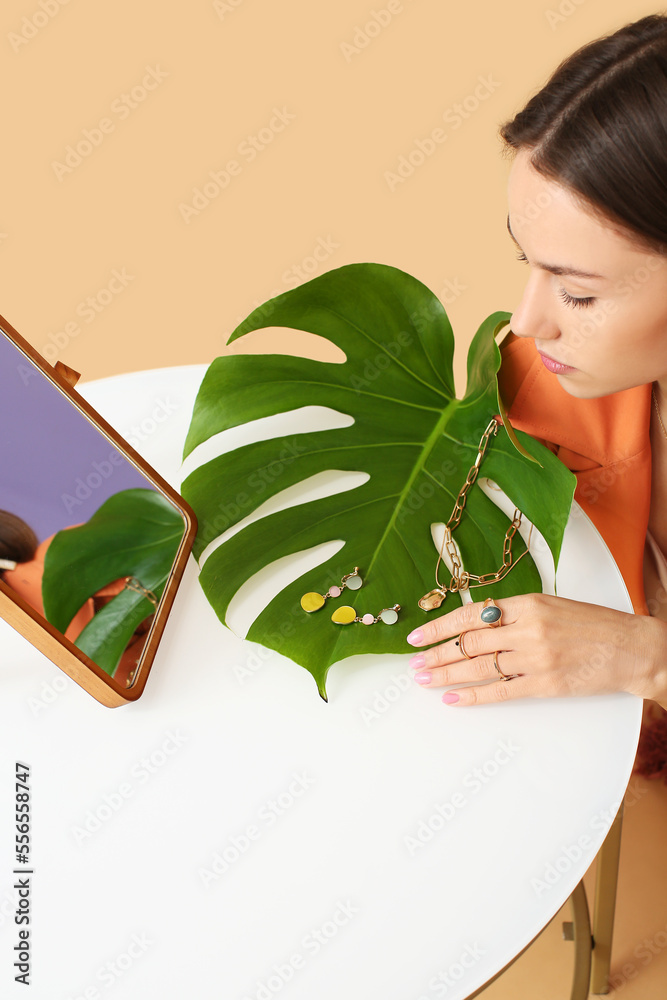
47, 639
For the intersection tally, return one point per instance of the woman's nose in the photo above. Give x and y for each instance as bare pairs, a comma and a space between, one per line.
532, 316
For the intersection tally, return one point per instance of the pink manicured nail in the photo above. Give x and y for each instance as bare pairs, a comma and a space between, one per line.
417, 661
416, 638
450, 698
424, 678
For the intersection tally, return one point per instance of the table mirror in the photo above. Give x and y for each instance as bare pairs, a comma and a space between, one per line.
93, 542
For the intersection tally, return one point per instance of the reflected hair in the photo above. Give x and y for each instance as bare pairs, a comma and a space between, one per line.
599, 128
17, 539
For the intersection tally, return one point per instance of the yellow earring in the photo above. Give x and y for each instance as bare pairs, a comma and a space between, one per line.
313, 602
346, 615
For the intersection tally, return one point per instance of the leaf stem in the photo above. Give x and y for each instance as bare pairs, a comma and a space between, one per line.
417, 468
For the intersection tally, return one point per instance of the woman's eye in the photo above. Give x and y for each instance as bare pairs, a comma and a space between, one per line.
571, 300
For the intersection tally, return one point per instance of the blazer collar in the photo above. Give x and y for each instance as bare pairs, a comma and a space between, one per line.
606, 430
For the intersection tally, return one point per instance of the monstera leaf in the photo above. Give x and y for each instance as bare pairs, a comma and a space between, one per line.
410, 435
135, 532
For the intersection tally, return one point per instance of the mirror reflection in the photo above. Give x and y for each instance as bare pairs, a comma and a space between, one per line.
85, 538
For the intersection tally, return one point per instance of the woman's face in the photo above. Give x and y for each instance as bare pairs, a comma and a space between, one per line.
606, 331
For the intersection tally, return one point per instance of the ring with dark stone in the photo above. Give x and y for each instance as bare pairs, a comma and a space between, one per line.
491, 613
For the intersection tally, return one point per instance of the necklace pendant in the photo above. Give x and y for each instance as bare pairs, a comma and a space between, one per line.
432, 600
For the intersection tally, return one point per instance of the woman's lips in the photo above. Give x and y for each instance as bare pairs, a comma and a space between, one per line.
557, 367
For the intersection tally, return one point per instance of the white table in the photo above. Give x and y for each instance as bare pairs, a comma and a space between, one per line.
232, 836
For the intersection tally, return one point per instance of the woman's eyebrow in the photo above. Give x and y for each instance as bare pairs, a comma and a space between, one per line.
556, 268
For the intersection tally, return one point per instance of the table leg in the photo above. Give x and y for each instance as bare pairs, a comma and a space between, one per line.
606, 882
579, 931
592, 948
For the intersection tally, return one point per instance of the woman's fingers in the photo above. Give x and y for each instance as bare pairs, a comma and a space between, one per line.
468, 616
487, 694
479, 668
476, 642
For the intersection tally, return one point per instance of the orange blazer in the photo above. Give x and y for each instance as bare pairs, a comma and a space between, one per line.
605, 442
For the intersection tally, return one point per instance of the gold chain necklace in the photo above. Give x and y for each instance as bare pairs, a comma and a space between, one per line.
460, 578
657, 410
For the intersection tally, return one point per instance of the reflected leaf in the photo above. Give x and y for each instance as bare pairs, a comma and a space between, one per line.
135, 533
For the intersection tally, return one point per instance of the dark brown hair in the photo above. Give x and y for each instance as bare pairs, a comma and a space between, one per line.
599, 127
17, 539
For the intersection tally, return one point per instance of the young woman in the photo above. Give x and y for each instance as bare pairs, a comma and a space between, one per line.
585, 370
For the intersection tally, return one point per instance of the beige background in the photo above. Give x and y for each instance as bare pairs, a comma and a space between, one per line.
359, 99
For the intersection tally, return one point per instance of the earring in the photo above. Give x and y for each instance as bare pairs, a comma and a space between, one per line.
313, 601
347, 615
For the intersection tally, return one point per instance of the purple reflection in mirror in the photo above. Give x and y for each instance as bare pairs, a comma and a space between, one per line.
56, 469
87, 541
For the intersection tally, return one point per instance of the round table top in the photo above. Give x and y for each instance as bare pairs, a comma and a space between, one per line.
232, 835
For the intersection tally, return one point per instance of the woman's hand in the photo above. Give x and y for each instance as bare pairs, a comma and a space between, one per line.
555, 646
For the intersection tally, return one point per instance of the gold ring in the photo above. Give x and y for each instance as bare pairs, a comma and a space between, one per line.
491, 614
131, 583
462, 647
503, 677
